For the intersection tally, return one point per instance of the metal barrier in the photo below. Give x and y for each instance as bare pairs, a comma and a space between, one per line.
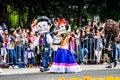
88, 44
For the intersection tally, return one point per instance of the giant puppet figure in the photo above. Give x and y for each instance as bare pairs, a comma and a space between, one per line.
111, 32
64, 60
43, 40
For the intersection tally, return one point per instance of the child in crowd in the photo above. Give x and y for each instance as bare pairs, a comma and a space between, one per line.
30, 56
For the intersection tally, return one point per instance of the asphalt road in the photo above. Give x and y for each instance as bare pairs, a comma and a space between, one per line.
55, 76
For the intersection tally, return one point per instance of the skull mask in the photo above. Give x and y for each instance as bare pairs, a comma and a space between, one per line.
63, 26
43, 24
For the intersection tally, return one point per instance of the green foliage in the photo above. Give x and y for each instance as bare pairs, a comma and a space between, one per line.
21, 12
13, 16
14, 19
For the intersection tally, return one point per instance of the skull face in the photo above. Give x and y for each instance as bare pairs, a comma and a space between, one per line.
63, 26
43, 25
62, 29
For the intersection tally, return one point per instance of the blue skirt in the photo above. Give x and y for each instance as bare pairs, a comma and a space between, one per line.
65, 62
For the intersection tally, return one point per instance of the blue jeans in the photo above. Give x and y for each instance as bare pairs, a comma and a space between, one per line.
12, 56
45, 56
83, 52
20, 53
117, 51
31, 61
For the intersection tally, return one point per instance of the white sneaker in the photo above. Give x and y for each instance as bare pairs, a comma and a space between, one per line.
105, 63
117, 62
1, 70
16, 67
10, 67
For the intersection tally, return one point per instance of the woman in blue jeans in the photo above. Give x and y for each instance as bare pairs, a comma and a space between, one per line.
11, 48
117, 48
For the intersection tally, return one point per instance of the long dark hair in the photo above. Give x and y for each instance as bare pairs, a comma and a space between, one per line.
11, 31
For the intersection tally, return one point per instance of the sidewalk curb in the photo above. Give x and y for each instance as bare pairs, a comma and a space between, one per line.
37, 70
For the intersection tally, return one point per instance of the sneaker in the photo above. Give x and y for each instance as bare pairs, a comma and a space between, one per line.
41, 69
16, 67
82, 64
97, 62
3, 62
105, 63
109, 67
10, 67
115, 64
1, 70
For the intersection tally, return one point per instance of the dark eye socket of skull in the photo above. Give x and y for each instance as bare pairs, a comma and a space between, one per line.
62, 26
39, 26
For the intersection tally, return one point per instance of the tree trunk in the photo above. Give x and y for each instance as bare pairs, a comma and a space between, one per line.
30, 17
79, 13
3, 12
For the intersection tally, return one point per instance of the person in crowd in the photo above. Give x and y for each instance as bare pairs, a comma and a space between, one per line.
72, 44
4, 48
34, 27
77, 41
30, 56
89, 42
117, 48
64, 61
32, 37
98, 45
55, 22
19, 46
4, 26
11, 48
82, 49
89, 25
24, 47
1, 45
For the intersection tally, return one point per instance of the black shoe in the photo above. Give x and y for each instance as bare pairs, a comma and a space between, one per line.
109, 67
41, 70
115, 64
46, 69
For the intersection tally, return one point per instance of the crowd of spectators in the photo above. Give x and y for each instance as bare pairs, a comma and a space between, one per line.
88, 41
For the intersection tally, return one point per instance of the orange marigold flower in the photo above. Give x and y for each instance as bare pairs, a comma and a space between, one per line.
87, 78
74, 79
62, 78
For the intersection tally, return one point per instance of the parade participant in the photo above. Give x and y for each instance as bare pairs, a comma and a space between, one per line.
111, 32
64, 61
44, 40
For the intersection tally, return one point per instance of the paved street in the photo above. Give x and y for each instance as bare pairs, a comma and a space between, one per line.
34, 73
49, 76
